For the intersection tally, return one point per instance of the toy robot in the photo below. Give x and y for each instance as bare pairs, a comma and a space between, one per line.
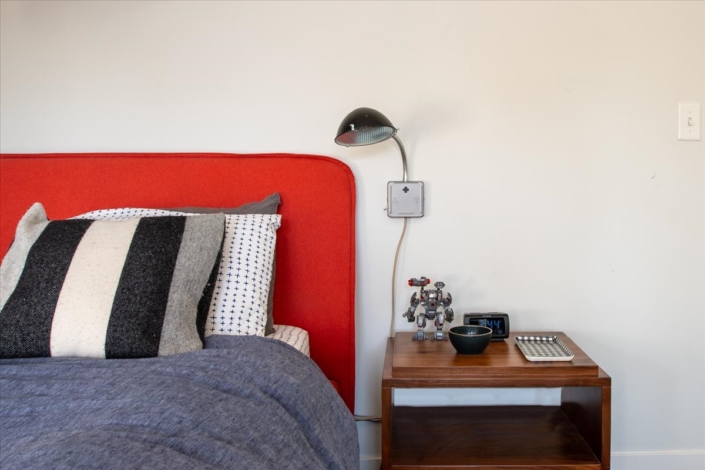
431, 301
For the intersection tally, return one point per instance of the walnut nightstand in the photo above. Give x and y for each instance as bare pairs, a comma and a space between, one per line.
574, 435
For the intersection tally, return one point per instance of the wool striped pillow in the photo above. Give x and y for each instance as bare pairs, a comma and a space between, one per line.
105, 289
238, 305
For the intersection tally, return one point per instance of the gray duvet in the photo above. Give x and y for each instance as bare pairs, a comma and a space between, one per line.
249, 403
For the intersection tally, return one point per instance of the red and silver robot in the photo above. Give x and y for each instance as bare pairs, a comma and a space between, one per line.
431, 301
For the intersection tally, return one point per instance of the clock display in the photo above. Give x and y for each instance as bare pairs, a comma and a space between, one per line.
497, 324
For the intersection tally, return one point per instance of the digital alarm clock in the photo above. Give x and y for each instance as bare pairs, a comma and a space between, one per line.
497, 321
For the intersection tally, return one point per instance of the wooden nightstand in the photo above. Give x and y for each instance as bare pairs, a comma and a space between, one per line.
574, 435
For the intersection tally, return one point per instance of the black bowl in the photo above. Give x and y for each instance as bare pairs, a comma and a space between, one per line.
470, 339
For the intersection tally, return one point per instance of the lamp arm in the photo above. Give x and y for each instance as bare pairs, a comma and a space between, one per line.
403, 155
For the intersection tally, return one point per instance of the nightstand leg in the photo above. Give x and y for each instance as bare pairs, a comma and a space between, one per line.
590, 410
606, 426
386, 428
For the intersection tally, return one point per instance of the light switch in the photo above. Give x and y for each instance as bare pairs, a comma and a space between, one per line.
688, 121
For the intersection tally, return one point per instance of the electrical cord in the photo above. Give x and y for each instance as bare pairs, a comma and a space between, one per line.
394, 277
371, 419
378, 419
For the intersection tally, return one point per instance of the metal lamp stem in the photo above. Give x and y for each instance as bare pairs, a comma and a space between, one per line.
403, 155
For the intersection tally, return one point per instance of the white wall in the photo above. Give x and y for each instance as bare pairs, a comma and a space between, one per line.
545, 134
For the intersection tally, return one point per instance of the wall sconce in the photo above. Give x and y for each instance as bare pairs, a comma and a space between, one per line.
367, 126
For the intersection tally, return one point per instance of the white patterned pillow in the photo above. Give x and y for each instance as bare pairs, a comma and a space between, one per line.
239, 302
293, 336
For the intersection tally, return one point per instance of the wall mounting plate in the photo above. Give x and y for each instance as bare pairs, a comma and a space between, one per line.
405, 199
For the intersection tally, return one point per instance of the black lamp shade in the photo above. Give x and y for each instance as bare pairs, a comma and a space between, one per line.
364, 126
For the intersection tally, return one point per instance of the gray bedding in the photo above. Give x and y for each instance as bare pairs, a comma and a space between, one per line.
249, 403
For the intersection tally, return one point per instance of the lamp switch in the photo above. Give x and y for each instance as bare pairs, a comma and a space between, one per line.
405, 199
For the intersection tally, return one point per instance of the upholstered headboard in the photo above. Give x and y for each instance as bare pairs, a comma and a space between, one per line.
315, 267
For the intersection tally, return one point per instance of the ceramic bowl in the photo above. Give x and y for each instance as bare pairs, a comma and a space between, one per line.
470, 339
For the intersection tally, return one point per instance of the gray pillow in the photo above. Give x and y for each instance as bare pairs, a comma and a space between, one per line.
106, 289
268, 205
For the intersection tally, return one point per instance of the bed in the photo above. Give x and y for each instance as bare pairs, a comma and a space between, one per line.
242, 401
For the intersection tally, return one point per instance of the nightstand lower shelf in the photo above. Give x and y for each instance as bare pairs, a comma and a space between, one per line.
488, 437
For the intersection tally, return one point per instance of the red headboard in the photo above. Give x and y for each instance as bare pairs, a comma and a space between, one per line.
315, 276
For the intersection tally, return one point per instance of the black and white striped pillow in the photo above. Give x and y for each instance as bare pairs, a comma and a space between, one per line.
105, 289
241, 286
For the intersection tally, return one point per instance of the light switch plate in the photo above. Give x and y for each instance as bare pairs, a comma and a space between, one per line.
688, 121
405, 199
